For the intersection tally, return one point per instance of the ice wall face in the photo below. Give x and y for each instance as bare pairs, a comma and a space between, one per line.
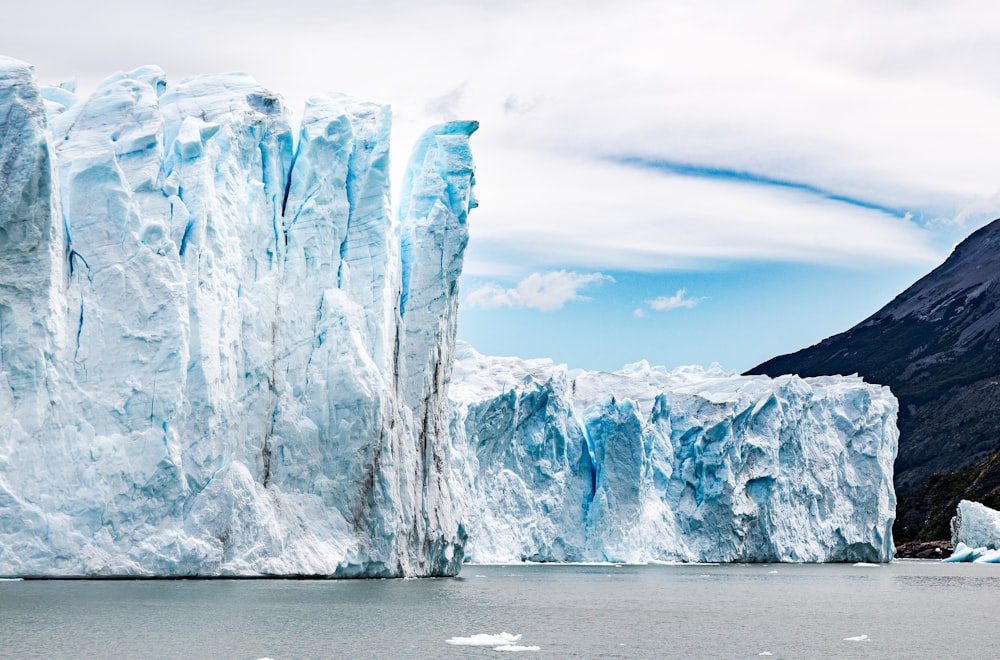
201, 344
691, 465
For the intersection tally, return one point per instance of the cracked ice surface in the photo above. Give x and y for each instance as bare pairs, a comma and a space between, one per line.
692, 465
204, 358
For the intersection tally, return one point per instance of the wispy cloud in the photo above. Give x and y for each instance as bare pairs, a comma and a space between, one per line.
544, 292
679, 300
753, 178
616, 217
676, 301
446, 106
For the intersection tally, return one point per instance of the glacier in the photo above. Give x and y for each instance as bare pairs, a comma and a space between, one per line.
690, 465
220, 352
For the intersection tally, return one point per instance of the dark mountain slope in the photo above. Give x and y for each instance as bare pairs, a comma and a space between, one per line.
937, 345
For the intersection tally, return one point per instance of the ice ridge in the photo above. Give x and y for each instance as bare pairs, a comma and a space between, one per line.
203, 352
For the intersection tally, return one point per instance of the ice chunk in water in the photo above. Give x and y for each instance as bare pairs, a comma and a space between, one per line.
484, 639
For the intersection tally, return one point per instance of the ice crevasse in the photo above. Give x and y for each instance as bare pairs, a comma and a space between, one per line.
220, 353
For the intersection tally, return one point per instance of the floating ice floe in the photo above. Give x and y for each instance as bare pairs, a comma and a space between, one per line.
484, 639
979, 555
859, 638
963, 552
989, 557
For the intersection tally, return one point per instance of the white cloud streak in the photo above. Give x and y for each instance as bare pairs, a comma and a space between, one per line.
544, 292
679, 300
620, 218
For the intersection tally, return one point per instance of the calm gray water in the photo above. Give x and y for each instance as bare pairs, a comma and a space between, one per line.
908, 609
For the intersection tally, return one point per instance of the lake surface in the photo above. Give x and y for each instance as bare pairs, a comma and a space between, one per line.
907, 609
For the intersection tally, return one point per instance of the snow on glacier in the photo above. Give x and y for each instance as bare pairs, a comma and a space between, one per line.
205, 363
694, 465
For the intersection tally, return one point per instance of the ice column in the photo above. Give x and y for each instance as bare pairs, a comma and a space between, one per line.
32, 245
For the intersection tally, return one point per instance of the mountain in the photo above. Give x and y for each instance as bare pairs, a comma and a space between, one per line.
937, 346
646, 464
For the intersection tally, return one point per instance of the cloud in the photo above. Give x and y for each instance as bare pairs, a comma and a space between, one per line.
676, 301
515, 105
544, 292
446, 105
725, 174
606, 216
679, 300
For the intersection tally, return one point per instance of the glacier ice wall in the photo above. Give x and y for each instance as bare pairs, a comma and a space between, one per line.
691, 465
219, 351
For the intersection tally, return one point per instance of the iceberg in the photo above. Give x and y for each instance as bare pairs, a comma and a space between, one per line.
975, 533
691, 465
963, 552
220, 351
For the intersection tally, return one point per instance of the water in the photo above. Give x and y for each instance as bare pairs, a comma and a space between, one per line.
907, 609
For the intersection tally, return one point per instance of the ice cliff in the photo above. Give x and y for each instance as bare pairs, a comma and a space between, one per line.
647, 464
219, 351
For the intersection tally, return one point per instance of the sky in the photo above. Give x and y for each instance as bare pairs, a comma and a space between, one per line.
681, 182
